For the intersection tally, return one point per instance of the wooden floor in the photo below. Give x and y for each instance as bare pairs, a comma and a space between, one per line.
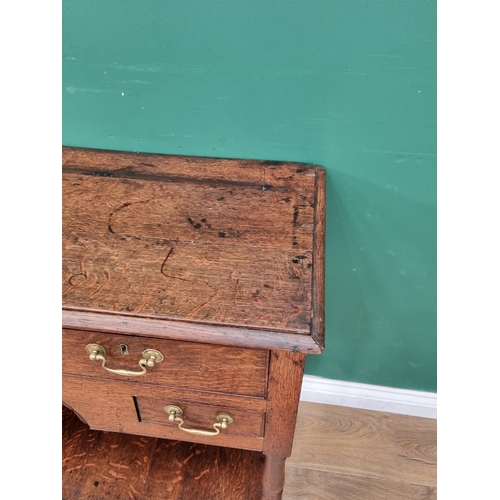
339, 454
347, 454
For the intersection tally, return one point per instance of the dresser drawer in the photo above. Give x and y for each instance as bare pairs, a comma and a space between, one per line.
199, 416
187, 365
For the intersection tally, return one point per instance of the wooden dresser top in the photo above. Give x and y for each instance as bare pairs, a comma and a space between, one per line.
205, 249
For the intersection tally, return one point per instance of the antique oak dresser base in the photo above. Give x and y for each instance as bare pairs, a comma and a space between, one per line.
192, 293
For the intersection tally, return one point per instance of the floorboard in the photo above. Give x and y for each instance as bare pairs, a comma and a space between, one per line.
309, 484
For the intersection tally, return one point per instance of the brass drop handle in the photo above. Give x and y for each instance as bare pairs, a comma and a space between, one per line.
175, 415
149, 358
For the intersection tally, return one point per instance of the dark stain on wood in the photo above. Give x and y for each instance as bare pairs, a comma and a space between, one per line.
130, 173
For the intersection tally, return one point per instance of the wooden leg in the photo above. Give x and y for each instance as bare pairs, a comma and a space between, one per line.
285, 379
273, 478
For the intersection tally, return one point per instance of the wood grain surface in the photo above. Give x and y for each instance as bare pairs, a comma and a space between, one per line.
218, 334
189, 210
105, 465
203, 240
285, 378
344, 453
416, 446
185, 280
360, 443
283, 392
186, 365
311, 484
318, 277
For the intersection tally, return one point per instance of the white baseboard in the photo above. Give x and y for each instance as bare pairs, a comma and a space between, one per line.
369, 397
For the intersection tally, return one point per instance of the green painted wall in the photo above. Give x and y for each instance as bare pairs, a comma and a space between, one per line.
346, 84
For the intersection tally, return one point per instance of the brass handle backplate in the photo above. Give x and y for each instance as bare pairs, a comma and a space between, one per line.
149, 358
175, 415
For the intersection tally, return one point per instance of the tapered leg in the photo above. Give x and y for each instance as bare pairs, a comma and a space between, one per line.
273, 479
285, 379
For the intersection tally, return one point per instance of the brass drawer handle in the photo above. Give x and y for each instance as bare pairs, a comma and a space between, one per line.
149, 358
175, 415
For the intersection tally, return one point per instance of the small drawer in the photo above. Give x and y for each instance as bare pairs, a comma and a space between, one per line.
189, 365
196, 417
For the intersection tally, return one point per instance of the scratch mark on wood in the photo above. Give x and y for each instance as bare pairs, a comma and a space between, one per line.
177, 278
121, 207
106, 274
212, 297
75, 282
165, 261
144, 301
